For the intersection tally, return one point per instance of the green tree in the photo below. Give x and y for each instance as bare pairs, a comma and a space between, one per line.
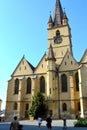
39, 107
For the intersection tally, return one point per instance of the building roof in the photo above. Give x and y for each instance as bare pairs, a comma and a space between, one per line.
84, 57
58, 14
31, 66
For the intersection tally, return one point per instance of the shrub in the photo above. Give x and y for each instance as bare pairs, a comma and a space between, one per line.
81, 123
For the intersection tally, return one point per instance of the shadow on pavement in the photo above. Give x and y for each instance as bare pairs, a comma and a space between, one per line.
6, 126
35, 127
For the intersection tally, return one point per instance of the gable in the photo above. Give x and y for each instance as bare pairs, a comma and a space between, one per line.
23, 68
84, 58
42, 66
68, 63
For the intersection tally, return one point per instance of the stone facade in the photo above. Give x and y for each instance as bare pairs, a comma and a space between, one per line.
60, 78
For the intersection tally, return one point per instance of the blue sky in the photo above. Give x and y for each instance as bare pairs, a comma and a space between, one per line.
23, 31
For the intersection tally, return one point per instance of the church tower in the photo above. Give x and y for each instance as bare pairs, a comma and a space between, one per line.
60, 64
59, 33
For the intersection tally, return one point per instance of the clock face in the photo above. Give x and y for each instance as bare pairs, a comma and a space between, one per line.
57, 40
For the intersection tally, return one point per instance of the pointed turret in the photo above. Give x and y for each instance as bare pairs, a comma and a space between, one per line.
51, 54
51, 72
50, 22
58, 14
50, 19
65, 19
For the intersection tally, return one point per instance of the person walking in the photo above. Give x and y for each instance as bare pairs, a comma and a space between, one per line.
64, 122
49, 121
39, 121
14, 124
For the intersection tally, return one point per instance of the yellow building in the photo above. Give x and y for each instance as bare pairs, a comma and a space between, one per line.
60, 78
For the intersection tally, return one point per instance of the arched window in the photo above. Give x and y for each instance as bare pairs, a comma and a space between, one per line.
15, 106
42, 84
64, 83
77, 81
28, 85
64, 107
16, 89
27, 106
79, 106
58, 33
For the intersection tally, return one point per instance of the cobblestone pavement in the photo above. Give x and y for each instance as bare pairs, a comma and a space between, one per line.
32, 125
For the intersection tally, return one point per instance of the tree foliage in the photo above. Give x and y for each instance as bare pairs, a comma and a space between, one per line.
39, 107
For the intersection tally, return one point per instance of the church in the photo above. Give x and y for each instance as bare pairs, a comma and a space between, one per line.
58, 76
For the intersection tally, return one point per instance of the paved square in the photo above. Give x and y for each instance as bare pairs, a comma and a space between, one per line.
33, 125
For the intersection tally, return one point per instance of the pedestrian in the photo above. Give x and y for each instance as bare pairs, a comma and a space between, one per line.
64, 122
39, 121
49, 121
14, 124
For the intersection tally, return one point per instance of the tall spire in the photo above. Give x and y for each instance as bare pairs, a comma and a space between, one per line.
58, 14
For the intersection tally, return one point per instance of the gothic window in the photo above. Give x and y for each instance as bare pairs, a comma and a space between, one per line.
27, 106
28, 85
64, 83
78, 106
64, 107
42, 84
16, 89
15, 106
71, 62
65, 62
58, 33
77, 81
19, 68
25, 67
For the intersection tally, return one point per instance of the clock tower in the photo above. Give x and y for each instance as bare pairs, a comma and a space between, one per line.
59, 33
